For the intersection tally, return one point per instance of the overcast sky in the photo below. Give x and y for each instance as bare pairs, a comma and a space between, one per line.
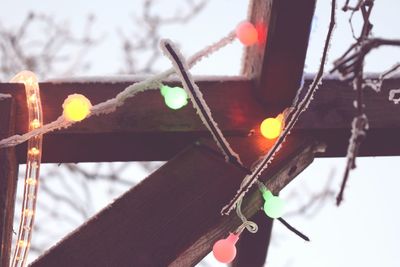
364, 230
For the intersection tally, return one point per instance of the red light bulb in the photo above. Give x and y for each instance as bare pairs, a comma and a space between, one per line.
247, 33
224, 250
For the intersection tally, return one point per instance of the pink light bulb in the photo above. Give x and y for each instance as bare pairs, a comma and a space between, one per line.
224, 250
247, 33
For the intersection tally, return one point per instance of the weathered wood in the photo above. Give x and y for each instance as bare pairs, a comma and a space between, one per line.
252, 248
173, 218
8, 180
277, 63
145, 129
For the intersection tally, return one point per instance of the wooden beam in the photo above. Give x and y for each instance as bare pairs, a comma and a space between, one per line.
277, 63
145, 129
173, 218
8, 180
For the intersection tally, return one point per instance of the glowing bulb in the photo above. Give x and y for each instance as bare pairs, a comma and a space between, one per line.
271, 127
22, 243
33, 98
174, 97
224, 250
31, 181
35, 124
273, 205
76, 107
28, 212
246, 33
34, 151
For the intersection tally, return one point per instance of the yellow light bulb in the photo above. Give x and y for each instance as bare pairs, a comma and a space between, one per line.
271, 127
31, 181
34, 151
35, 124
33, 98
76, 107
22, 243
28, 212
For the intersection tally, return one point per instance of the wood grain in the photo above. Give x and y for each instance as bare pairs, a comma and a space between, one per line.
8, 181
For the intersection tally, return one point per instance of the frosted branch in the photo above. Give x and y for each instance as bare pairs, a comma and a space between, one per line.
198, 101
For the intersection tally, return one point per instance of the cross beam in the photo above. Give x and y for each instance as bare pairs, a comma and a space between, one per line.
145, 129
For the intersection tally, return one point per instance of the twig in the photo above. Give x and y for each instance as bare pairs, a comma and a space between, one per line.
198, 101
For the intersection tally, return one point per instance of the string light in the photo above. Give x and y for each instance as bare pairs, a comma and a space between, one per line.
247, 33
174, 97
76, 107
224, 250
271, 128
35, 118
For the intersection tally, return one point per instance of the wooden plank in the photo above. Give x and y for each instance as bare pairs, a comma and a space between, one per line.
144, 129
173, 218
252, 248
277, 63
8, 180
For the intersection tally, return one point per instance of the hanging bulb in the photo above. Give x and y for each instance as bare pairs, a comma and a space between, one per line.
76, 107
174, 97
273, 205
271, 128
247, 33
224, 250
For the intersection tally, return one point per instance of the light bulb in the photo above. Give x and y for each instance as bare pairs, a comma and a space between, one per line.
273, 205
224, 250
246, 33
271, 127
76, 107
174, 97
34, 151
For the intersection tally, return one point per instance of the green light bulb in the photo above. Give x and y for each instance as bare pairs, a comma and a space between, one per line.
273, 206
267, 194
174, 97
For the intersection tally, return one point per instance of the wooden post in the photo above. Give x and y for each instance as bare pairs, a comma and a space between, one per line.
8, 179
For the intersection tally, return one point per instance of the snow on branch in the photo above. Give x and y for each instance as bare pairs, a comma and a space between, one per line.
351, 68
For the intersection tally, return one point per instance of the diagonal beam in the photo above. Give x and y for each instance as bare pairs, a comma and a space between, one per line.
173, 218
8, 180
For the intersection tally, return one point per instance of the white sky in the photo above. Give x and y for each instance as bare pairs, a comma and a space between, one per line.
364, 231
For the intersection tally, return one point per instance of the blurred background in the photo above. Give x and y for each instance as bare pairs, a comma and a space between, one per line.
106, 38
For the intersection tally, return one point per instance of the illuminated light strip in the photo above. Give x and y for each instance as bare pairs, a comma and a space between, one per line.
33, 159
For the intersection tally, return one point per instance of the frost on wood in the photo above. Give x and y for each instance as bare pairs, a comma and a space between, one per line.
110, 105
4, 96
198, 101
394, 96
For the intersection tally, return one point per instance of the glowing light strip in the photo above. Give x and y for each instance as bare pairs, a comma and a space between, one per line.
33, 159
